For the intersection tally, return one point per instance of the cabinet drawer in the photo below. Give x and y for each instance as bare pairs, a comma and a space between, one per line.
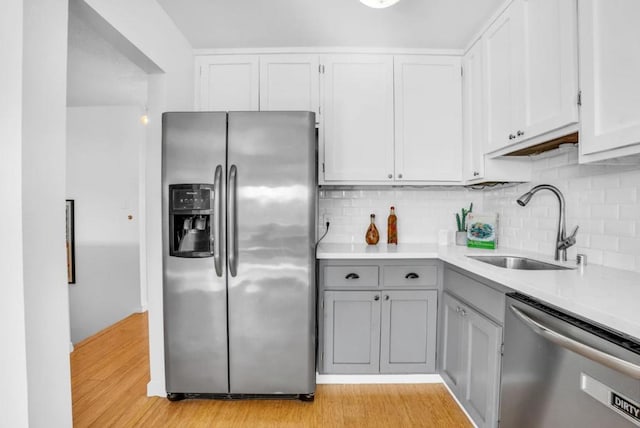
477, 294
410, 276
351, 276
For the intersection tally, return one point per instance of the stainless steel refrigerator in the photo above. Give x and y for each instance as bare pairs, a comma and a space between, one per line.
239, 209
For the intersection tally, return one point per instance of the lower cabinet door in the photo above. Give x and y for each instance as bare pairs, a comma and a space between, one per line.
452, 342
482, 360
408, 331
351, 332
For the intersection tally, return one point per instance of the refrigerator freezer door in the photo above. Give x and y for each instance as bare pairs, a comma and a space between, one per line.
272, 296
195, 300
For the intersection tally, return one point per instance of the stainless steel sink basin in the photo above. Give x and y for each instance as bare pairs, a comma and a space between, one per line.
522, 263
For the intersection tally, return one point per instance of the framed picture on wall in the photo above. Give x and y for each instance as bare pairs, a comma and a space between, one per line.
71, 243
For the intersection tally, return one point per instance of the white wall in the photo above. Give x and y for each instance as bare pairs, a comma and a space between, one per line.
422, 213
603, 200
13, 357
145, 24
46, 301
103, 146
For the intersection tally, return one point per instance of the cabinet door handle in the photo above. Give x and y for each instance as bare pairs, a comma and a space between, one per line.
390, 176
520, 133
463, 312
411, 275
476, 173
352, 276
386, 297
376, 297
399, 175
511, 136
458, 309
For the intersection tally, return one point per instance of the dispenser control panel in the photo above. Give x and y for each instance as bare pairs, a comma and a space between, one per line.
187, 199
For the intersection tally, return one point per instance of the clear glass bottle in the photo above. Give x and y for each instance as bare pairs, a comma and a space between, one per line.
392, 227
372, 236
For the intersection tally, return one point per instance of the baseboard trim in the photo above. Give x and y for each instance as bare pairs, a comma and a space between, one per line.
156, 389
459, 404
377, 378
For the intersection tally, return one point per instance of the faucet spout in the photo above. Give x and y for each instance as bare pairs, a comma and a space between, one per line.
562, 240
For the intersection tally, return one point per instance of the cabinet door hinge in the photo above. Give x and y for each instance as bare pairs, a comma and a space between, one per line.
461, 71
579, 98
322, 166
502, 349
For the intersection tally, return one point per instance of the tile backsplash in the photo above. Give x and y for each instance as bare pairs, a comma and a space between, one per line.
604, 200
422, 212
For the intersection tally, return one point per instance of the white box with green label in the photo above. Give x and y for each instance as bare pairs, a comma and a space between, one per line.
482, 230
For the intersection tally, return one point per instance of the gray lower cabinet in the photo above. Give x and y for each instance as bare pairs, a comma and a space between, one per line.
378, 316
470, 348
390, 331
352, 331
408, 331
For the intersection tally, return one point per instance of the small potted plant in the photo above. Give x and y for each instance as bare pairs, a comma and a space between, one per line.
461, 234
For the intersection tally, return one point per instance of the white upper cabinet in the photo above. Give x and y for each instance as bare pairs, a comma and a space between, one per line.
550, 66
609, 78
473, 114
289, 83
428, 118
358, 118
227, 83
531, 74
503, 71
477, 168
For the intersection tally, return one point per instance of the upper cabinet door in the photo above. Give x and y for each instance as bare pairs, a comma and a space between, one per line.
289, 83
550, 53
609, 75
473, 108
228, 83
428, 118
358, 117
503, 73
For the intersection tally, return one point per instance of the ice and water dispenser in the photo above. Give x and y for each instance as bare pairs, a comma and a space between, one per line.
190, 220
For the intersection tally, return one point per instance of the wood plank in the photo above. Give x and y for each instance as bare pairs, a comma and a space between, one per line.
110, 372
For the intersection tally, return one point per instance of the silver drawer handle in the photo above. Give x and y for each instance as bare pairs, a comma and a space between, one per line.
411, 275
352, 276
580, 348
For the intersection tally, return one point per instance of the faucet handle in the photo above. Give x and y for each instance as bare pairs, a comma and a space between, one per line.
569, 241
573, 234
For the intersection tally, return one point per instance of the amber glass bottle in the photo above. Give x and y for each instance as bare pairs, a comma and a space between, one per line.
372, 237
392, 227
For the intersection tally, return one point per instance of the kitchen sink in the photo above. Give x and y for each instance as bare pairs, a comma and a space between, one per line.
522, 263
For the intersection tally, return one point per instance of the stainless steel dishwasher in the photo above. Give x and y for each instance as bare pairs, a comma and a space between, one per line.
560, 371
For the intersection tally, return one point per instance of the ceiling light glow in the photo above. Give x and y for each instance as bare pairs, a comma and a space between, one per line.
379, 4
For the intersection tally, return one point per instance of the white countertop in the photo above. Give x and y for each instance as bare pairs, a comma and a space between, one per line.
610, 297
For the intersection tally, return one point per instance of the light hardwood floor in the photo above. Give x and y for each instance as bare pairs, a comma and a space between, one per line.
110, 371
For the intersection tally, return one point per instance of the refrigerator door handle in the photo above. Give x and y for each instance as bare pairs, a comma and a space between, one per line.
217, 221
232, 221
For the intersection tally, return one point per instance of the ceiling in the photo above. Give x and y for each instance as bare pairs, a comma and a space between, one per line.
433, 24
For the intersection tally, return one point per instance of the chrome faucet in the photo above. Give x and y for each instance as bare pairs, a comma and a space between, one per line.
562, 240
